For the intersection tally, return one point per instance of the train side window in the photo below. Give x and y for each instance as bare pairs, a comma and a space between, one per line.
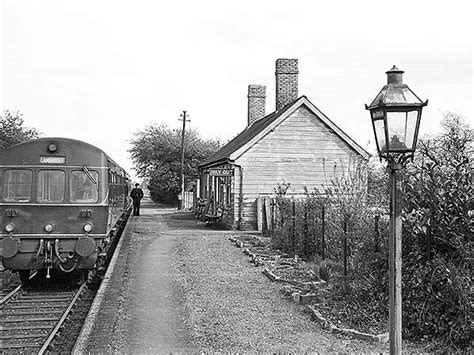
83, 188
17, 185
50, 187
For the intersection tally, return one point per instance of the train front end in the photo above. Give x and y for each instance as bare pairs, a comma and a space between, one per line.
54, 206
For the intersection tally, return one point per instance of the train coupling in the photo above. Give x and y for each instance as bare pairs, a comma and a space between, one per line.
48, 259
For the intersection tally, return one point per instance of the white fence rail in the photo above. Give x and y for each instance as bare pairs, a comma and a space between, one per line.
188, 201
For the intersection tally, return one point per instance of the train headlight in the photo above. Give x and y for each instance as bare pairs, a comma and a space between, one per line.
52, 147
49, 228
87, 227
10, 227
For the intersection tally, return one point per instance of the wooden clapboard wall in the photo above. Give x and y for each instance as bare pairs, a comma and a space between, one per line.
302, 151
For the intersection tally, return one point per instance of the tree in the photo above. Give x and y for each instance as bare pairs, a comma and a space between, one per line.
12, 130
156, 153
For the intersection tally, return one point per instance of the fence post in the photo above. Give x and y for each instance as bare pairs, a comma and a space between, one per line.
323, 230
266, 203
273, 203
377, 233
345, 250
259, 214
293, 232
305, 228
282, 211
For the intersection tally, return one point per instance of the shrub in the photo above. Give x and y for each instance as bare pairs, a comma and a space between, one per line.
325, 271
438, 244
438, 229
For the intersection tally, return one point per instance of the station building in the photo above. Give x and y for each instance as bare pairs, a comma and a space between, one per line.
295, 144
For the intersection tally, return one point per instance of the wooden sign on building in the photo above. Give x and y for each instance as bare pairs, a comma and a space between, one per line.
221, 172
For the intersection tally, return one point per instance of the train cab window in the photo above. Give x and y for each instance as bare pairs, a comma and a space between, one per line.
50, 187
17, 185
84, 186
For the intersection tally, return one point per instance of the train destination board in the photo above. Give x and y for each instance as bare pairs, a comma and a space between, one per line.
52, 160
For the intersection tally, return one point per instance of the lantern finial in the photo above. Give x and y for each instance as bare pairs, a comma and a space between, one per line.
394, 76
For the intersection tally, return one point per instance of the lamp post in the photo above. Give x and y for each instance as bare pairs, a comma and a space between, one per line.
181, 193
396, 115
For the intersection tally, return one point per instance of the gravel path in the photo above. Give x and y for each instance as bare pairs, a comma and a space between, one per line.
230, 306
186, 288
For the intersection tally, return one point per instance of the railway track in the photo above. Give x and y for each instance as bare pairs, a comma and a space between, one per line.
31, 318
47, 316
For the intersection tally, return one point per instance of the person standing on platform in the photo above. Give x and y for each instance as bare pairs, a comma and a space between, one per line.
136, 195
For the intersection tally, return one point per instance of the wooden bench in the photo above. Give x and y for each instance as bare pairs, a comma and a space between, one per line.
217, 216
201, 208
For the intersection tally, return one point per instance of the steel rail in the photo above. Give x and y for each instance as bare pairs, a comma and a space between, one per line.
61, 321
18, 288
10, 295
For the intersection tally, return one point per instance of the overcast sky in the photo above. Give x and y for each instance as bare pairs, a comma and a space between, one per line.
100, 70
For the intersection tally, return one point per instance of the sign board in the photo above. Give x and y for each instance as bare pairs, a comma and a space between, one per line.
376, 115
221, 172
52, 160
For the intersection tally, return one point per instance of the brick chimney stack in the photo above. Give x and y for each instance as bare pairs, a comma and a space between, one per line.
256, 103
286, 72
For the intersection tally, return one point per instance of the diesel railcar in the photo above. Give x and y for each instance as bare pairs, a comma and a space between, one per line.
60, 203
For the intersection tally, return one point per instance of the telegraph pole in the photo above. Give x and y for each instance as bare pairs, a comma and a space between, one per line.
181, 194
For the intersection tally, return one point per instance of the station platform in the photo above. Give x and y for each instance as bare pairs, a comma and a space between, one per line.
176, 286
137, 287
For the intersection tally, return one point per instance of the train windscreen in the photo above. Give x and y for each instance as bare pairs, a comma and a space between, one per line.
17, 185
50, 186
84, 186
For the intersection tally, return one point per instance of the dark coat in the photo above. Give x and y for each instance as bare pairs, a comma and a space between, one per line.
136, 194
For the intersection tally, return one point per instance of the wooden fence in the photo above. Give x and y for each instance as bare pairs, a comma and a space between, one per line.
188, 200
313, 226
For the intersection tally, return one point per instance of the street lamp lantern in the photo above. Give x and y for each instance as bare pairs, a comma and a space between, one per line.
396, 114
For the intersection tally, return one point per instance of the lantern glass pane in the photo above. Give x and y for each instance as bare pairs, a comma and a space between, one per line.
412, 117
379, 127
401, 130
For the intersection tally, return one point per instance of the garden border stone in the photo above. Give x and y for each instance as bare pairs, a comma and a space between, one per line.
300, 298
327, 324
270, 275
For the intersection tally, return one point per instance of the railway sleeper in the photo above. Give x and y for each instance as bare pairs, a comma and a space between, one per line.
22, 319
28, 327
14, 313
18, 337
45, 298
33, 307
29, 347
